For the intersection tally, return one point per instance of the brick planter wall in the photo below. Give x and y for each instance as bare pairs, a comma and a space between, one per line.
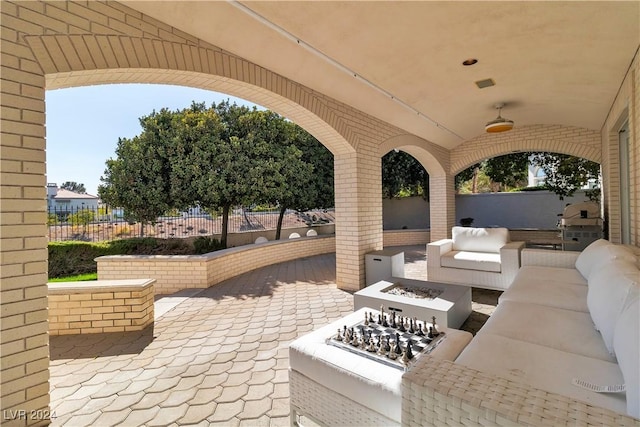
173, 273
100, 306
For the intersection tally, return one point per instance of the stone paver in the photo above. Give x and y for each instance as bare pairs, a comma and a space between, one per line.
217, 356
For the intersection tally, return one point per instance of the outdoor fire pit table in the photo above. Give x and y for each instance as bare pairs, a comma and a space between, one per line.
450, 304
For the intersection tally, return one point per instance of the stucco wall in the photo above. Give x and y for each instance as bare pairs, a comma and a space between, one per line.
538, 209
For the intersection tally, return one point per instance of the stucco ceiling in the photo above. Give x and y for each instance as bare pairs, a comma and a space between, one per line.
552, 62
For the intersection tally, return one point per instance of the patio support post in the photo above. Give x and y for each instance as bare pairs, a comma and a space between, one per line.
23, 243
358, 189
442, 200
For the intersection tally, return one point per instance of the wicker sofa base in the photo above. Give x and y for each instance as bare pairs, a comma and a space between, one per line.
442, 393
317, 402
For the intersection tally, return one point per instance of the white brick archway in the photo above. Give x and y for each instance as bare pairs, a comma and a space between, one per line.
441, 191
571, 140
46, 46
72, 60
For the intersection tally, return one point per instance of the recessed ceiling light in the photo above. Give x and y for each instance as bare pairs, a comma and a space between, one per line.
469, 61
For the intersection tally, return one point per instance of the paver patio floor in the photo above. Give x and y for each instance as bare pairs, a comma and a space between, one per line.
218, 357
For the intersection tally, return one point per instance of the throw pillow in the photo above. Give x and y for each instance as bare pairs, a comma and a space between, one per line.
473, 239
589, 256
626, 343
607, 296
601, 254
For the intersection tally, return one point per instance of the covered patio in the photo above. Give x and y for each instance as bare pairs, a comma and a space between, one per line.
363, 78
217, 356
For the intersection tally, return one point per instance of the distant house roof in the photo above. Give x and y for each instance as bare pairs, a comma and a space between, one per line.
66, 194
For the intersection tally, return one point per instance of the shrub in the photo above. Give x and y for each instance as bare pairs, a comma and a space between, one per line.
138, 245
205, 244
73, 258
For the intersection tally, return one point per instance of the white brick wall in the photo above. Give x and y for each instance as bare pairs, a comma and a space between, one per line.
406, 237
625, 107
556, 138
100, 306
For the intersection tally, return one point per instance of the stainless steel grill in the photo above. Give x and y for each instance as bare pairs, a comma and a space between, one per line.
580, 225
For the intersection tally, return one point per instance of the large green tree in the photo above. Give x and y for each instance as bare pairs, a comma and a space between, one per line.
564, 173
508, 171
403, 175
139, 178
252, 161
217, 157
309, 184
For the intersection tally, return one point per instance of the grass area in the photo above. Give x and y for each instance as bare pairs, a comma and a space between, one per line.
77, 278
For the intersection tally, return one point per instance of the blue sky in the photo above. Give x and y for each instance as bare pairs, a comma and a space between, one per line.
84, 124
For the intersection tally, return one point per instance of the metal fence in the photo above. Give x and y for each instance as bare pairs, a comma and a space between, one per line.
96, 225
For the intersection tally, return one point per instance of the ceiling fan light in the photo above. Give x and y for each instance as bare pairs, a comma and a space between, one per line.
500, 124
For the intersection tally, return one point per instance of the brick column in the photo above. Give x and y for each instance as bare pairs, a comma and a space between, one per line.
358, 197
442, 202
23, 245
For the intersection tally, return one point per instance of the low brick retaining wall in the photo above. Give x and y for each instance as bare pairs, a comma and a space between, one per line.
176, 272
100, 306
406, 237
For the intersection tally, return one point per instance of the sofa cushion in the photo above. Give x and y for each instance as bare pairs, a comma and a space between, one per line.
553, 274
482, 261
545, 368
600, 252
550, 286
566, 330
626, 343
607, 295
479, 239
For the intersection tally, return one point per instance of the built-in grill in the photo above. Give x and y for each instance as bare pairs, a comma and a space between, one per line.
580, 224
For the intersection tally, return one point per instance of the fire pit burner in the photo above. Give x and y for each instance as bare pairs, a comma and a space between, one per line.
409, 292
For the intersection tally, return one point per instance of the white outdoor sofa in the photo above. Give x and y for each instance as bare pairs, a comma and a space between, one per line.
481, 257
521, 367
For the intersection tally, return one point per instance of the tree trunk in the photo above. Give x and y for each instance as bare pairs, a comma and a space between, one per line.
225, 225
142, 223
474, 181
283, 209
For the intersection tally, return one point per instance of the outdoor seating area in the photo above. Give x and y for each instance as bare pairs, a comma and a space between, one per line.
220, 356
539, 348
253, 349
484, 257
542, 335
